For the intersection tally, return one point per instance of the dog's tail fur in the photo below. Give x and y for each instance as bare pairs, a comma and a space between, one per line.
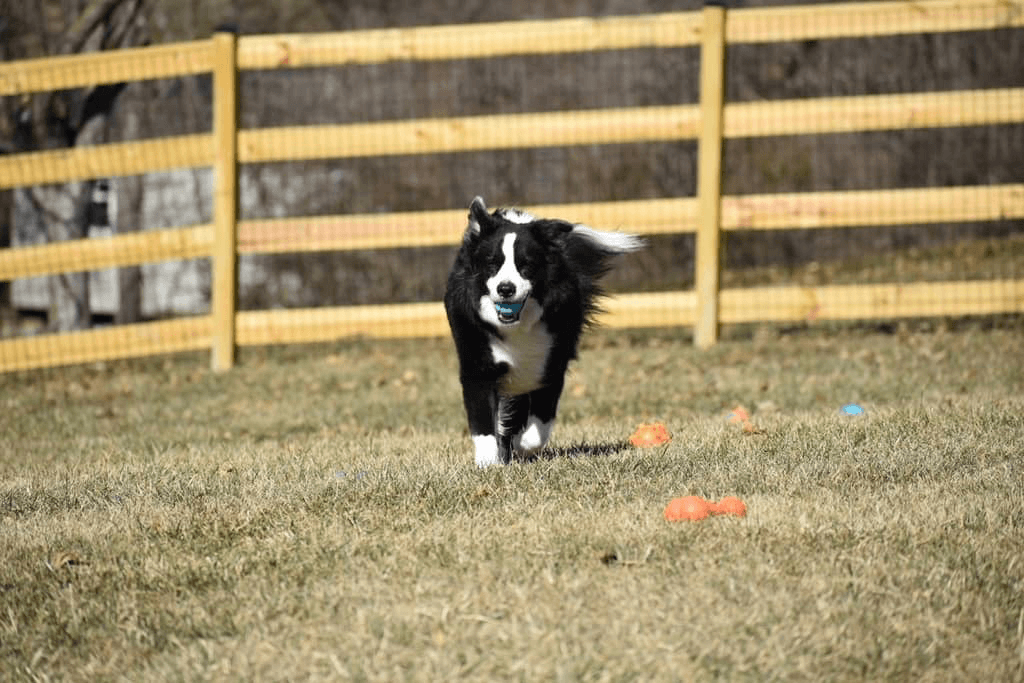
592, 250
608, 242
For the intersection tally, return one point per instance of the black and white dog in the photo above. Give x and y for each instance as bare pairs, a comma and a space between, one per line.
519, 295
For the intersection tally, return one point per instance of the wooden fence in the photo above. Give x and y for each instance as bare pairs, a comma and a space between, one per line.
708, 215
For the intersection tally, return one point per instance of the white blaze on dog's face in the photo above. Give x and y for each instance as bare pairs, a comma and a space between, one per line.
505, 302
508, 284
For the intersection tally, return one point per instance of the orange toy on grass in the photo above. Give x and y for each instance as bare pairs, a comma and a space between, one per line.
647, 435
688, 507
695, 508
731, 505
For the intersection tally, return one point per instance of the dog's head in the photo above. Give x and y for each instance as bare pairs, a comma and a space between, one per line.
512, 253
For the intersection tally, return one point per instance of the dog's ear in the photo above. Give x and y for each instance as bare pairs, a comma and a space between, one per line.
480, 222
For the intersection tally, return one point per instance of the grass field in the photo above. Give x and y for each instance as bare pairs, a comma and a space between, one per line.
315, 513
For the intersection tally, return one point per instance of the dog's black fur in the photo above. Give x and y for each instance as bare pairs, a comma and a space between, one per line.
519, 295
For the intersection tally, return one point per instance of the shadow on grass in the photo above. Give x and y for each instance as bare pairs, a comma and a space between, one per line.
580, 450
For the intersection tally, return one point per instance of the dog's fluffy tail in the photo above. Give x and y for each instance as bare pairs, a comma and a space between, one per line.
608, 242
592, 250
591, 253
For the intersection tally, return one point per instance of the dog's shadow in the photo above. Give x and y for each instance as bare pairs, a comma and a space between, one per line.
579, 450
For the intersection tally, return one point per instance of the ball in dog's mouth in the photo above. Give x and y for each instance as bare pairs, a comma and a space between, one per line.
508, 311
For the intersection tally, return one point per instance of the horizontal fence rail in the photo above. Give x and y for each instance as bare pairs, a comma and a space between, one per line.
680, 29
354, 232
122, 341
473, 41
102, 161
115, 251
782, 211
225, 57
103, 68
520, 131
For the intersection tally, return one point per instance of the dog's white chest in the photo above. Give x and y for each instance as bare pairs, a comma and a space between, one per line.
525, 350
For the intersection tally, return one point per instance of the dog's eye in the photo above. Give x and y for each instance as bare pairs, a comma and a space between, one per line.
487, 256
496, 259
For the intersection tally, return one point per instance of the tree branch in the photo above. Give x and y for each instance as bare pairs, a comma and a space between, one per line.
78, 33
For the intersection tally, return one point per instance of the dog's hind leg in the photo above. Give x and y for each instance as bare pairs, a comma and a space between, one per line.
541, 419
513, 412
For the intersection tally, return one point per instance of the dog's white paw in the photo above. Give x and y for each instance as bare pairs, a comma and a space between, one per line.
535, 435
486, 450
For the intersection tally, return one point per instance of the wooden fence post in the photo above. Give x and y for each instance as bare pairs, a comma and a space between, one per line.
224, 259
709, 174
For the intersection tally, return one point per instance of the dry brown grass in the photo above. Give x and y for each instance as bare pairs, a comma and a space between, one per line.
315, 514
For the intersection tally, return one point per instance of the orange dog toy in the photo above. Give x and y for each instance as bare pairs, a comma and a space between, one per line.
647, 435
696, 508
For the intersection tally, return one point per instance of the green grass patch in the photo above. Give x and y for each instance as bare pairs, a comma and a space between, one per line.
315, 513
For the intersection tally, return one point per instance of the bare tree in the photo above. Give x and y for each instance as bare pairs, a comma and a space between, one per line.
129, 190
6, 196
72, 118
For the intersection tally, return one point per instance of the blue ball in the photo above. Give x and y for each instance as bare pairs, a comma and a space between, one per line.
508, 308
852, 409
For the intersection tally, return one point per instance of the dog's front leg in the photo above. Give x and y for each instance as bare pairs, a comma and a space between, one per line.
481, 403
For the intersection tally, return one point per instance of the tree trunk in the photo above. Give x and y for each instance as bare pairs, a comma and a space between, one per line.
69, 292
129, 278
129, 210
74, 118
6, 226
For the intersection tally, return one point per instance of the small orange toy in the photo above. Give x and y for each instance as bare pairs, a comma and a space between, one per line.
695, 508
731, 505
647, 435
688, 507
740, 416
